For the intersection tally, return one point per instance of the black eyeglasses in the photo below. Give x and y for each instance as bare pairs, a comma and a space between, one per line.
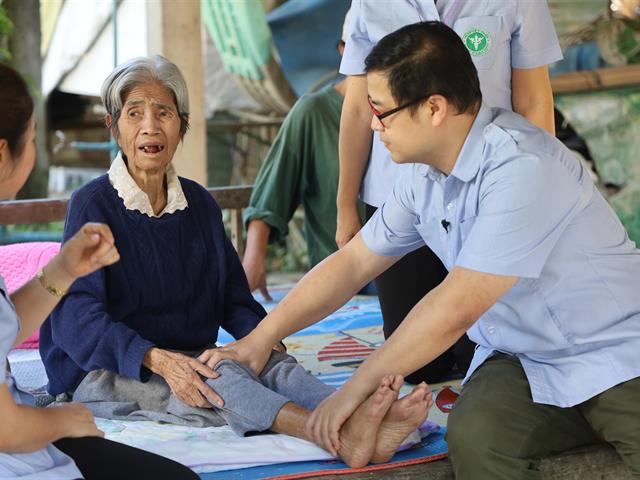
380, 115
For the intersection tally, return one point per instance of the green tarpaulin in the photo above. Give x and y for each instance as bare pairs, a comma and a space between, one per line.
609, 123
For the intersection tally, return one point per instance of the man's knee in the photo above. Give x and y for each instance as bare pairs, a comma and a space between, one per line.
614, 415
463, 429
473, 429
479, 446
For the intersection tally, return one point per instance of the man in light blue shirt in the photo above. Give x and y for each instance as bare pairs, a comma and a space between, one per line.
542, 275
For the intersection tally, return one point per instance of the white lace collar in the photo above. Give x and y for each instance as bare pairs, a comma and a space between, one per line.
133, 196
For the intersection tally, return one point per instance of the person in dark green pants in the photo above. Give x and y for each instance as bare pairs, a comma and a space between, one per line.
496, 431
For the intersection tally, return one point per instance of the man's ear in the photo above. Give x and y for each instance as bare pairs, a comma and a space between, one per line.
438, 108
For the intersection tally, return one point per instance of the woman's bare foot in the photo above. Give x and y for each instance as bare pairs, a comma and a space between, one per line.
404, 416
358, 434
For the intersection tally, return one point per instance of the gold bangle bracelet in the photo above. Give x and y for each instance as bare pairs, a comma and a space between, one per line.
56, 292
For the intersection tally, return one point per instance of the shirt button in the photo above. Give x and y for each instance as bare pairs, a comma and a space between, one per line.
491, 329
450, 206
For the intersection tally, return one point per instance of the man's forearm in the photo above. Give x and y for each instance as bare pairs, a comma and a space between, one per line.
355, 140
532, 97
429, 329
253, 261
540, 113
327, 287
432, 326
257, 240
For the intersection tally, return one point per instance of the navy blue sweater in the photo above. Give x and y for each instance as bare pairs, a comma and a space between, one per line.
178, 280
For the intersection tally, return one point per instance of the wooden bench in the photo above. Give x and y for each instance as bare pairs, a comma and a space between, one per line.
20, 212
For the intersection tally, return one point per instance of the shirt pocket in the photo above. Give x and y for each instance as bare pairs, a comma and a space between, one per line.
464, 228
484, 37
522, 322
430, 230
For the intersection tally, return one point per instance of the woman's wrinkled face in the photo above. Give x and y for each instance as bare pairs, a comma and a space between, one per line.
149, 129
14, 170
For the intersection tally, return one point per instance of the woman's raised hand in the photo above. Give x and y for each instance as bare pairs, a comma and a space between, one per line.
91, 248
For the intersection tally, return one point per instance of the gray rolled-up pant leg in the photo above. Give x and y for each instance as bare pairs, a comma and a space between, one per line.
249, 406
284, 375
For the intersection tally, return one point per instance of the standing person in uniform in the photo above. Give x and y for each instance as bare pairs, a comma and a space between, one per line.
511, 43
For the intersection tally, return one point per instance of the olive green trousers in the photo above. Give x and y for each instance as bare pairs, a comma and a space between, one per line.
496, 431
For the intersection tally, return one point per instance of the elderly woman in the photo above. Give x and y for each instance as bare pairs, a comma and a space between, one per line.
179, 279
62, 442
123, 341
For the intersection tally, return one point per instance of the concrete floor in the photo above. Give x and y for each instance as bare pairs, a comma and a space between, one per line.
591, 463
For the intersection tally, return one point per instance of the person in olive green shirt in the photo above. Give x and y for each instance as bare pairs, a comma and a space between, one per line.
301, 168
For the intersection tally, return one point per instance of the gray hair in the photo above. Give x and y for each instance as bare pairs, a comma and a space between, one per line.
139, 70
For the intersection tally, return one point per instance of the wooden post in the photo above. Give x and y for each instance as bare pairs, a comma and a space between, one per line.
237, 239
173, 31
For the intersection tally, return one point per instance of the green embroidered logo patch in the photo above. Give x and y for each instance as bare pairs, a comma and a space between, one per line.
477, 41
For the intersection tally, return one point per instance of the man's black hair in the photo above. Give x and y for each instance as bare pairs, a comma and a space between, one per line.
423, 59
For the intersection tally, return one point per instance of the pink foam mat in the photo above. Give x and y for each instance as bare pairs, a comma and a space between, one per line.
19, 263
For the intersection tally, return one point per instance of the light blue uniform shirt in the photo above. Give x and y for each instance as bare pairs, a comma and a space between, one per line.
517, 34
519, 203
48, 463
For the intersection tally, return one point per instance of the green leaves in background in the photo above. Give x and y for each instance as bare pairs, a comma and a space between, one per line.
6, 29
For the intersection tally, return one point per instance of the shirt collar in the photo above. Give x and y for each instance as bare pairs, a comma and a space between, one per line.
470, 156
133, 196
431, 172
